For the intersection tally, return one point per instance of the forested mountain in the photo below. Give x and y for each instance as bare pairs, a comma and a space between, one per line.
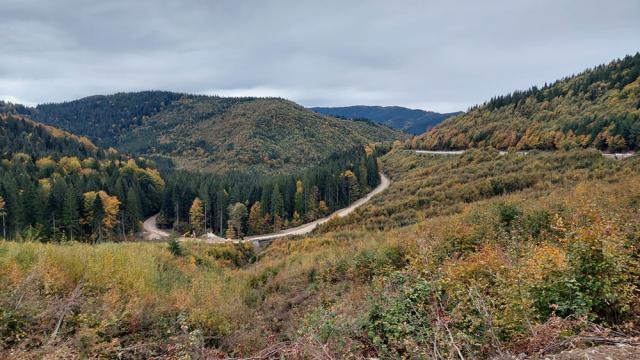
212, 133
597, 108
413, 121
56, 186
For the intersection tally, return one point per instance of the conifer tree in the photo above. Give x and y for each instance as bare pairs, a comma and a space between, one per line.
70, 214
351, 187
133, 209
312, 203
277, 205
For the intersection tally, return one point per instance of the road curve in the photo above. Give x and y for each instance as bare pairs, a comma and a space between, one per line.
154, 233
150, 226
309, 227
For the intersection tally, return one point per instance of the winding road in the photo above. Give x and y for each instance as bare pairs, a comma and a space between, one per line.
153, 233
615, 156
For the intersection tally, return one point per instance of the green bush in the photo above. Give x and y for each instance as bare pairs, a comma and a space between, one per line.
401, 316
174, 246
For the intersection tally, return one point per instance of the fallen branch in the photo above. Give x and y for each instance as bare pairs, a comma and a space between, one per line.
67, 307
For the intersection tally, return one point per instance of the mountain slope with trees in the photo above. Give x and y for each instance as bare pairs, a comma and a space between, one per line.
57, 186
413, 121
597, 108
215, 134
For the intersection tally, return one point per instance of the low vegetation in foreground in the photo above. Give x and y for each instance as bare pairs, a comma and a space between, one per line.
529, 270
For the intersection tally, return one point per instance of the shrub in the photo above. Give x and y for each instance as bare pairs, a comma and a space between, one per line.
399, 321
174, 246
508, 213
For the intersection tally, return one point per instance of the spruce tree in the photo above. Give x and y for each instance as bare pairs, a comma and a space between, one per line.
70, 214
277, 204
133, 209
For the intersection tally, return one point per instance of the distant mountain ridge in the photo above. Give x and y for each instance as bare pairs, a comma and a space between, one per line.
413, 121
211, 133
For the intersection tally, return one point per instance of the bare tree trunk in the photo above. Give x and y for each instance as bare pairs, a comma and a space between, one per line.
221, 234
124, 236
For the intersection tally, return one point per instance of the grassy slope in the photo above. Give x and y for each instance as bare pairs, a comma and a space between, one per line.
420, 187
570, 241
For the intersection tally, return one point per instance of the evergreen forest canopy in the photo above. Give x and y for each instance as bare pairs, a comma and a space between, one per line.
57, 186
598, 108
236, 205
211, 133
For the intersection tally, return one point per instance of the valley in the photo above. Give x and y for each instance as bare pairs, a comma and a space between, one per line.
153, 233
159, 224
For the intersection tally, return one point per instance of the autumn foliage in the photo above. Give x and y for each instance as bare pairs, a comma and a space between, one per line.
597, 108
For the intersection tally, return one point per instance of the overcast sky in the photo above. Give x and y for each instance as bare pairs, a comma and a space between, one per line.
435, 55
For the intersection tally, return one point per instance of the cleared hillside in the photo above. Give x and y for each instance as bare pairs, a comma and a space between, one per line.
435, 185
598, 108
213, 133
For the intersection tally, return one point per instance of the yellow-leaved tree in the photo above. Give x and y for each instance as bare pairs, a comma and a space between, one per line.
100, 213
196, 215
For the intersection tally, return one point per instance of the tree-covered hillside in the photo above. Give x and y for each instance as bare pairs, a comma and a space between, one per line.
598, 108
413, 121
56, 186
212, 133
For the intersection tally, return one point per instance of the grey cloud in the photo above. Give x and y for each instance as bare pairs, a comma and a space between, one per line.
439, 55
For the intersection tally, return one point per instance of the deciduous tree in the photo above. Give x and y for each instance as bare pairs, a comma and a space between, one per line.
196, 215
